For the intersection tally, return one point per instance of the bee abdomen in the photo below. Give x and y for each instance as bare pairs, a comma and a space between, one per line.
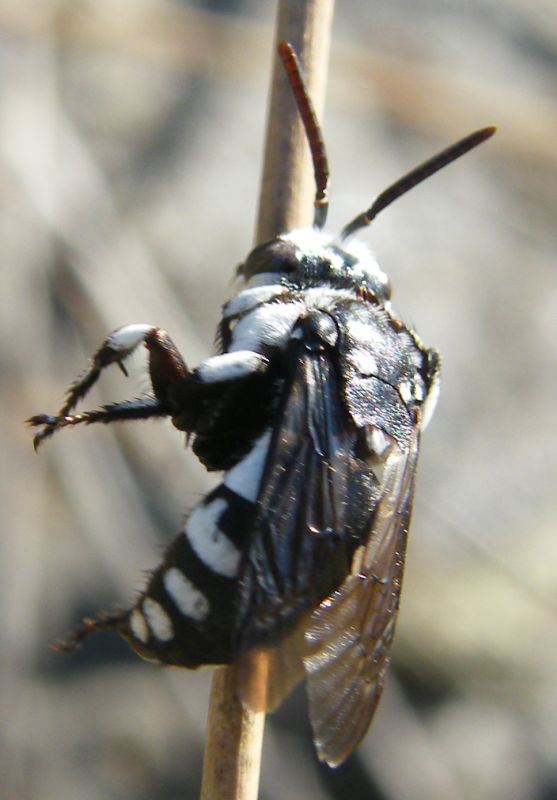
186, 615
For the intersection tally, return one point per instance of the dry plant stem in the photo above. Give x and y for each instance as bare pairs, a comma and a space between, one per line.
287, 186
233, 746
234, 734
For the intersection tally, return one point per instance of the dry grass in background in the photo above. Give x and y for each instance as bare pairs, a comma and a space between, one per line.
130, 143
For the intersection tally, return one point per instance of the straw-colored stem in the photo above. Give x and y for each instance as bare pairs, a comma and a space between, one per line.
287, 185
234, 734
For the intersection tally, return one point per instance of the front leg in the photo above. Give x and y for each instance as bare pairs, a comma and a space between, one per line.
166, 367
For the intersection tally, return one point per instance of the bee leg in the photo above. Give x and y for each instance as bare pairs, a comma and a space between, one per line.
141, 408
103, 622
166, 367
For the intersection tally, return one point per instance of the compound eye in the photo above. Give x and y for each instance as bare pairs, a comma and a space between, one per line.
274, 256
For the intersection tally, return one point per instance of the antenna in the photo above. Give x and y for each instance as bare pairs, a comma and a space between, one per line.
415, 176
312, 128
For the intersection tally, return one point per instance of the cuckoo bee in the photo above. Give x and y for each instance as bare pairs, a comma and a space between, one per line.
312, 410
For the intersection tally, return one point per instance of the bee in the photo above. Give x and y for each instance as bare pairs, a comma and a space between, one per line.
313, 410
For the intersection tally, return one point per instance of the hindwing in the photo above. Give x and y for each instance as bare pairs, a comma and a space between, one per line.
348, 638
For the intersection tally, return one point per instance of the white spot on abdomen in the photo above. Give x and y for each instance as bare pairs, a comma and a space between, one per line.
187, 597
245, 477
211, 545
139, 626
158, 620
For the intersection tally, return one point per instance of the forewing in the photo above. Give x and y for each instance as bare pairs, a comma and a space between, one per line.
349, 636
305, 533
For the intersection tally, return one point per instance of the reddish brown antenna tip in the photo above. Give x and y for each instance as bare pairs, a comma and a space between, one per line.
312, 128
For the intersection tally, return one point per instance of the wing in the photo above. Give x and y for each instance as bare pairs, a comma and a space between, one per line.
313, 509
349, 636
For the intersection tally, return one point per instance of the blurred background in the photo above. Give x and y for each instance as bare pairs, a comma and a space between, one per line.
130, 146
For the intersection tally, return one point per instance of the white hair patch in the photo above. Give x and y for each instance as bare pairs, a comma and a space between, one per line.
158, 620
363, 361
138, 626
245, 477
253, 296
187, 597
129, 337
266, 325
231, 366
211, 545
